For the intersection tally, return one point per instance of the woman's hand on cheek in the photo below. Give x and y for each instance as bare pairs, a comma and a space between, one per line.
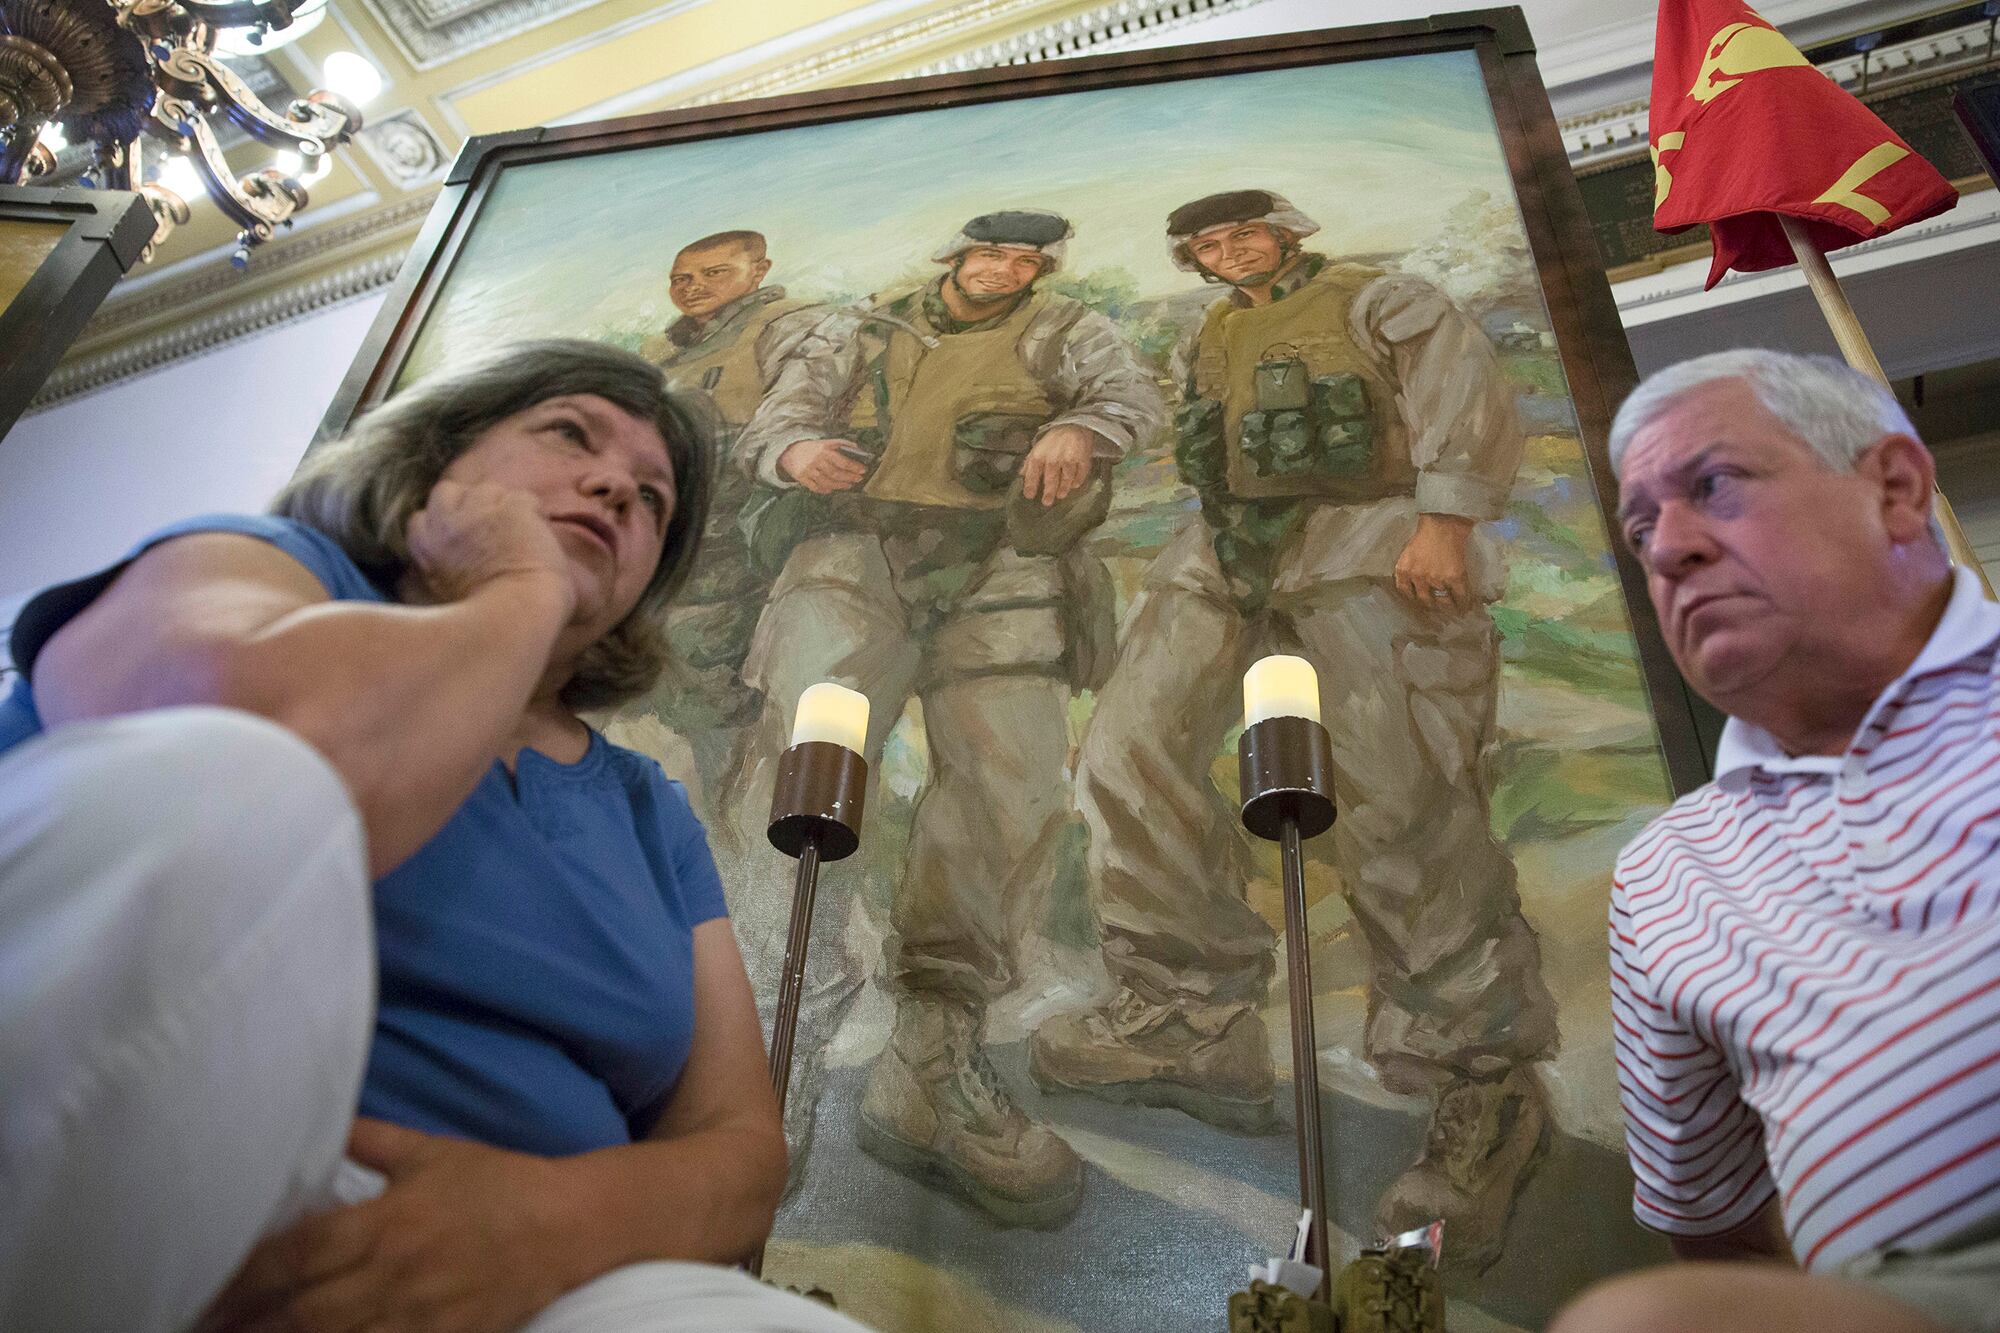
456, 1243
469, 534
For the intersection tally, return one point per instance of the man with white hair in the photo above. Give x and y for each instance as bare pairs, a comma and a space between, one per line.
1347, 430
943, 454
1806, 951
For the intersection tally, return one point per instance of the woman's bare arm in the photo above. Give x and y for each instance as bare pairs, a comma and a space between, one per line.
705, 1183
410, 704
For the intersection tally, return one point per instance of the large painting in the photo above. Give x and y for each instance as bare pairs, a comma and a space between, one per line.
1046, 400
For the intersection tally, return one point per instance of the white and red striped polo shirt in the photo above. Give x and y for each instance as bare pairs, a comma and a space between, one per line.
1805, 972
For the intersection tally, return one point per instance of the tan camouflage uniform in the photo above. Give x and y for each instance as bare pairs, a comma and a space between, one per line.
724, 364
915, 583
1408, 692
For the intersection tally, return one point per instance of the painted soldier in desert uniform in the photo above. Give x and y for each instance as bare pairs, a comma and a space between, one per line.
957, 442
733, 336
1346, 430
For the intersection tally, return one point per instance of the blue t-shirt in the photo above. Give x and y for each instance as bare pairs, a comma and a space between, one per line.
537, 955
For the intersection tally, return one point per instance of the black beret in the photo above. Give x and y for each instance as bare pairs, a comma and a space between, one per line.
1212, 210
1017, 226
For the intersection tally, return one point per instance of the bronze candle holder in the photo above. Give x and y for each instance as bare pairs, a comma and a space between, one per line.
815, 816
816, 807
1285, 777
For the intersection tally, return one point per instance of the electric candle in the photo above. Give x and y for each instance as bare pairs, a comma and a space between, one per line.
1280, 686
829, 712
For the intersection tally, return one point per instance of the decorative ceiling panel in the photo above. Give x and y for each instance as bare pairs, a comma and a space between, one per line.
432, 32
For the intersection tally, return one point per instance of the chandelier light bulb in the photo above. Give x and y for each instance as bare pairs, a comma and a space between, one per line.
255, 40
352, 77
106, 79
178, 174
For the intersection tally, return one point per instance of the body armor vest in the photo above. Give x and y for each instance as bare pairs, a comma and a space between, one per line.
1307, 412
954, 420
723, 364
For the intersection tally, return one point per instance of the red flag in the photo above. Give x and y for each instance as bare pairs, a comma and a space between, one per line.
1744, 129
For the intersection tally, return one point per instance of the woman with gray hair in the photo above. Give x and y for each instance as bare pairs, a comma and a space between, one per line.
213, 749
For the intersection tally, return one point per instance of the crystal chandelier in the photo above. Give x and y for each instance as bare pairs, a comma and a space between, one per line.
139, 77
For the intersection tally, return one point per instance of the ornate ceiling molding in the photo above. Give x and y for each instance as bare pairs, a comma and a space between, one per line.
1975, 222
204, 334
432, 32
376, 234
1613, 135
1106, 29
1102, 29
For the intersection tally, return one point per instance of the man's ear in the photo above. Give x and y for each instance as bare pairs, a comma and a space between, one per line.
762, 270
1906, 475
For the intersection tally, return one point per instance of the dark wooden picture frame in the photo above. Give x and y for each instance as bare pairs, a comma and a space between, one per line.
107, 231
1979, 112
1589, 337
1581, 1229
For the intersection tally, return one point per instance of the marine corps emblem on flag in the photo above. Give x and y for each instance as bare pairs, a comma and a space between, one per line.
1745, 129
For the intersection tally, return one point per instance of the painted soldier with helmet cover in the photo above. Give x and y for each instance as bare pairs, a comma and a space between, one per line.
1346, 429
940, 455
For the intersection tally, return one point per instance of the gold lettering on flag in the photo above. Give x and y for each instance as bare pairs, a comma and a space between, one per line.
1663, 180
1737, 51
1846, 191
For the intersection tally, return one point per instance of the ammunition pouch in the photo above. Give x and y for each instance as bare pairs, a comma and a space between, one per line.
1200, 451
1308, 429
987, 451
773, 521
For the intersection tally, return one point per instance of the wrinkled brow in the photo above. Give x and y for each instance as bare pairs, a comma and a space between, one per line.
1638, 499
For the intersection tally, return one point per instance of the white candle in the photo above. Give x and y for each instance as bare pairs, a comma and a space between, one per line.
1280, 686
829, 712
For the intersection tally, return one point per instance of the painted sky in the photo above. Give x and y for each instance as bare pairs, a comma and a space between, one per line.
1375, 151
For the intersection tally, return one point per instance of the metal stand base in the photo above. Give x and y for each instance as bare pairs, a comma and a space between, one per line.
1284, 767
816, 808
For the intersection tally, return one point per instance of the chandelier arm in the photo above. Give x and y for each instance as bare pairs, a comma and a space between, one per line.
271, 14
16, 148
120, 72
246, 202
310, 127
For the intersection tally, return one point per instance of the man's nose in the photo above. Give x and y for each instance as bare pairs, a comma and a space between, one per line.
1680, 541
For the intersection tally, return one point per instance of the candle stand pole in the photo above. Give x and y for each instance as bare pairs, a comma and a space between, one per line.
1284, 767
816, 809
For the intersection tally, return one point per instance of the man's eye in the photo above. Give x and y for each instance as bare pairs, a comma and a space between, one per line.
1635, 536
570, 431
653, 499
1708, 483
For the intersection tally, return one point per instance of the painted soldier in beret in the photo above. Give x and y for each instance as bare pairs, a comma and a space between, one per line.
1346, 430
947, 449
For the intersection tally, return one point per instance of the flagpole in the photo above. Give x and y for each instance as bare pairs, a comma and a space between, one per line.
1854, 346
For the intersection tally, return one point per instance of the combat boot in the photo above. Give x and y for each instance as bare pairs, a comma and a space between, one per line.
1214, 1064
1485, 1137
935, 1110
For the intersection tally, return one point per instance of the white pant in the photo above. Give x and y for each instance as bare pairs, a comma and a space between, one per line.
186, 996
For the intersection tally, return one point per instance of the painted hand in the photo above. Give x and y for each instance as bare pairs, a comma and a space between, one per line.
1431, 569
455, 1241
1058, 464
820, 467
